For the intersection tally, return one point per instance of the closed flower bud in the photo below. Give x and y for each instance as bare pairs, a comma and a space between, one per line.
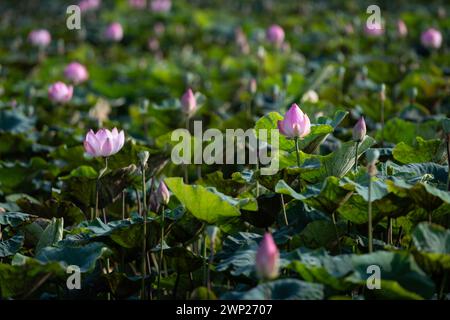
114, 32
402, 29
89, 5
275, 34
372, 155
383, 92
76, 72
359, 130
137, 4
431, 38
40, 38
59, 92
252, 86
188, 102
143, 157
310, 96
163, 194
267, 258
373, 29
295, 124
160, 5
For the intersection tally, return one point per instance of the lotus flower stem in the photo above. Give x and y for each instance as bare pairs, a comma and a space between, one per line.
161, 252
284, 210
104, 216
297, 151
370, 231
101, 173
138, 198
389, 231
448, 161
333, 216
205, 262
382, 99
123, 204
185, 166
443, 284
210, 261
356, 156
144, 243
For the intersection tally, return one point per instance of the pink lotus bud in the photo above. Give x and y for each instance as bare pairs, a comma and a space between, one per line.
252, 86
163, 194
349, 29
295, 124
275, 34
60, 92
359, 130
373, 29
267, 258
188, 102
310, 96
137, 4
104, 143
402, 29
76, 72
114, 32
89, 5
153, 44
40, 38
160, 5
159, 28
431, 38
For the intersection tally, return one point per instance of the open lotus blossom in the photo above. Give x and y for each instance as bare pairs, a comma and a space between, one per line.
267, 258
76, 72
160, 5
359, 130
40, 38
60, 92
373, 29
188, 102
402, 29
295, 124
114, 32
431, 38
104, 143
275, 34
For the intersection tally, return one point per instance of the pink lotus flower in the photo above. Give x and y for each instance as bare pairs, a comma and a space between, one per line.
295, 124
104, 143
267, 258
76, 72
114, 32
153, 44
160, 5
431, 38
359, 130
188, 102
275, 34
374, 29
40, 38
163, 194
138, 4
402, 29
88, 5
60, 92
159, 28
